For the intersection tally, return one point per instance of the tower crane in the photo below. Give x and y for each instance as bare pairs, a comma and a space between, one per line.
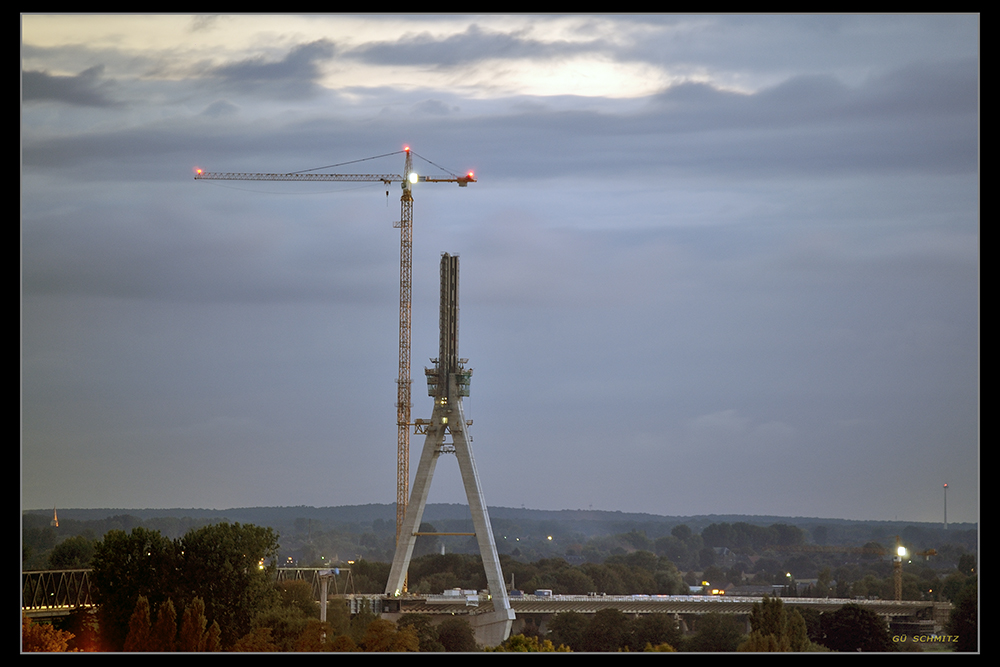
405, 225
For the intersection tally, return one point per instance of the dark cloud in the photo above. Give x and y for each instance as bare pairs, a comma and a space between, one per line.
434, 108
220, 109
85, 89
473, 45
295, 75
919, 118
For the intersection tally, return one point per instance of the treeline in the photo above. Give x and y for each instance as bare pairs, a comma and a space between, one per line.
724, 554
214, 589
225, 569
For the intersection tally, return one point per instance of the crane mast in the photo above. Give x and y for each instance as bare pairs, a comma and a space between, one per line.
405, 224
404, 382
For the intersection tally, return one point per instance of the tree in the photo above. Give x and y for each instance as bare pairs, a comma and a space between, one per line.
715, 633
427, 634
655, 630
231, 567
139, 629
313, 637
298, 595
608, 630
456, 635
193, 635
967, 564
82, 622
258, 641
855, 628
681, 532
126, 566
568, 628
963, 621
522, 644
71, 553
163, 636
659, 648
383, 636
42, 637
343, 644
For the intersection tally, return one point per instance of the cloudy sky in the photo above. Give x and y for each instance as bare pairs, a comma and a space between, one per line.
713, 264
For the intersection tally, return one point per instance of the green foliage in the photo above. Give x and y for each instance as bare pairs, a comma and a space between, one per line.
427, 634
72, 553
756, 642
82, 622
42, 637
568, 628
768, 617
338, 615
655, 630
434, 573
192, 634
231, 567
715, 633
741, 535
285, 623
370, 576
125, 567
608, 630
257, 641
298, 595
343, 644
659, 648
139, 629
522, 644
163, 636
359, 624
313, 637
382, 636
855, 628
963, 621
775, 629
456, 635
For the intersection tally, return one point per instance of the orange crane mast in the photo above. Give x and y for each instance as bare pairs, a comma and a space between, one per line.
405, 224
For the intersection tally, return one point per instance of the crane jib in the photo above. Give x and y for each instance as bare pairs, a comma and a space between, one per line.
245, 176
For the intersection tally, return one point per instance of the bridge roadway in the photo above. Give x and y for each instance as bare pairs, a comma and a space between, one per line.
57, 592
906, 615
648, 604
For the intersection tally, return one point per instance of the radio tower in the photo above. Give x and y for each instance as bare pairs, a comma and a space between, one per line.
946, 506
447, 383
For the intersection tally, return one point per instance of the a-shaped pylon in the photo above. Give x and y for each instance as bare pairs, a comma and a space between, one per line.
447, 382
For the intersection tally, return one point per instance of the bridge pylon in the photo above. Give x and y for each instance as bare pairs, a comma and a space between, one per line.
447, 383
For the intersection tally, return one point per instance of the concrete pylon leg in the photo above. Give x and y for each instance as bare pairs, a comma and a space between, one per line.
481, 521
415, 510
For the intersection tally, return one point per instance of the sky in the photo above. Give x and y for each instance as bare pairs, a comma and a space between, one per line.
713, 264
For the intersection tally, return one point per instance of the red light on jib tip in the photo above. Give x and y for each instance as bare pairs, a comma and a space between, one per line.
199, 170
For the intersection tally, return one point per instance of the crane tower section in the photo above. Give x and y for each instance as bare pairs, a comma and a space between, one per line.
405, 224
